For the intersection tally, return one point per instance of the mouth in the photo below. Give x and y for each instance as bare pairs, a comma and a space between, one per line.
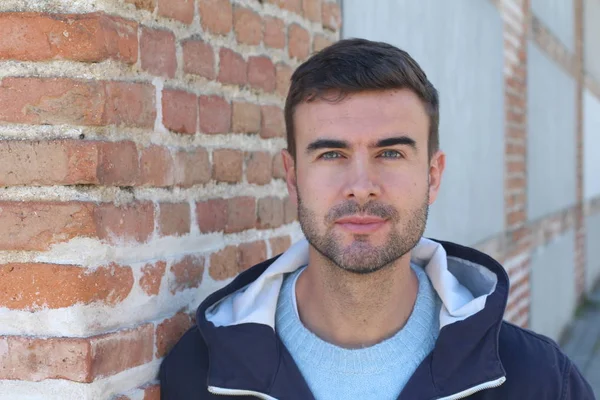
361, 224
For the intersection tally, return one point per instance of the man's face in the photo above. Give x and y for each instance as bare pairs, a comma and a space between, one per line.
362, 177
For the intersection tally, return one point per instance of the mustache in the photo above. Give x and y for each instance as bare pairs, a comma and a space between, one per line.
372, 208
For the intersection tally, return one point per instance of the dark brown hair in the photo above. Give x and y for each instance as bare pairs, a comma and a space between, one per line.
356, 65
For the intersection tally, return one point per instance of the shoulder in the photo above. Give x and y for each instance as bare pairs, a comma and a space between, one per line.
522, 349
183, 372
534, 344
536, 366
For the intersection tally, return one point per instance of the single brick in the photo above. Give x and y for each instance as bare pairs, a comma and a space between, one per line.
130, 222
270, 213
515, 183
56, 162
290, 210
216, 16
258, 167
33, 286
187, 273
232, 68
516, 166
290, 5
247, 26
227, 165
151, 279
261, 73
36, 359
156, 167
52, 101
331, 15
272, 124
224, 264
278, 168
180, 111
251, 254
148, 5
192, 167
92, 37
82, 162
170, 331
215, 114
157, 49
39, 225
181, 10
133, 346
199, 58
174, 219
130, 104
241, 214
283, 75
299, 42
312, 10
211, 215
516, 217
320, 42
279, 244
245, 117
274, 35
118, 163
75, 359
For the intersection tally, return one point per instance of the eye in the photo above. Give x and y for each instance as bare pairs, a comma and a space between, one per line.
390, 154
330, 155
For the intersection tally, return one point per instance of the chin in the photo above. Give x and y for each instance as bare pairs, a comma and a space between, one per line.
358, 267
365, 241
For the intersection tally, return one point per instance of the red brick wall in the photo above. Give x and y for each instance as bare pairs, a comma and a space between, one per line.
523, 235
513, 247
139, 144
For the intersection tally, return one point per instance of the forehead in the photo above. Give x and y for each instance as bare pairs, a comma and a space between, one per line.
363, 117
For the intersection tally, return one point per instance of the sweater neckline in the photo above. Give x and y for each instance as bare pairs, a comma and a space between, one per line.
408, 346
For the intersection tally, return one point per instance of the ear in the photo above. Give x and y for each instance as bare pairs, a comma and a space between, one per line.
290, 174
436, 170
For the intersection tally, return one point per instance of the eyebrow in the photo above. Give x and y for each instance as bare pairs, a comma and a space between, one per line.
398, 140
342, 144
327, 144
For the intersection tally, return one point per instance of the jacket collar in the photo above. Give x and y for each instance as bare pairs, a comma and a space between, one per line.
245, 354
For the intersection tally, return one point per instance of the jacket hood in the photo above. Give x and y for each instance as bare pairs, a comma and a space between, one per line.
237, 323
462, 285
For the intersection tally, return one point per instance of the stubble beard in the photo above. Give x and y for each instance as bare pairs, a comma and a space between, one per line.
361, 257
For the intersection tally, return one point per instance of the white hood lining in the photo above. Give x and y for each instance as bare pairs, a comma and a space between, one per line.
462, 286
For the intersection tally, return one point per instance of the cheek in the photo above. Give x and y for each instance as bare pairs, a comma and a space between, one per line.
405, 187
318, 189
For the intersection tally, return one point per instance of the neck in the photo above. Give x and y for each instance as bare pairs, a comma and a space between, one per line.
355, 310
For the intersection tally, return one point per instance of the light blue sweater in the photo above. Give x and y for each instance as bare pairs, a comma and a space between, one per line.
377, 372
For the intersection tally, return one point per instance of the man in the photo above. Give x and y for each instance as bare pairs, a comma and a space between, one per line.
365, 308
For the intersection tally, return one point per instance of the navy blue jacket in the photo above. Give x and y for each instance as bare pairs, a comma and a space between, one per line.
480, 357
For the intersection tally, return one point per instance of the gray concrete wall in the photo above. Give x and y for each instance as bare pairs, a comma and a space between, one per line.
553, 298
592, 244
559, 17
591, 37
551, 129
459, 44
591, 145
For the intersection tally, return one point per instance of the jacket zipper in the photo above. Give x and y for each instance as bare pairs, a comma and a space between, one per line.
475, 389
238, 392
460, 395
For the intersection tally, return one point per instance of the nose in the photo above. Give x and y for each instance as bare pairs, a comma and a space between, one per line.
362, 184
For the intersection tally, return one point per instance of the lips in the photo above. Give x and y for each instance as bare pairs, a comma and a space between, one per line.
360, 224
